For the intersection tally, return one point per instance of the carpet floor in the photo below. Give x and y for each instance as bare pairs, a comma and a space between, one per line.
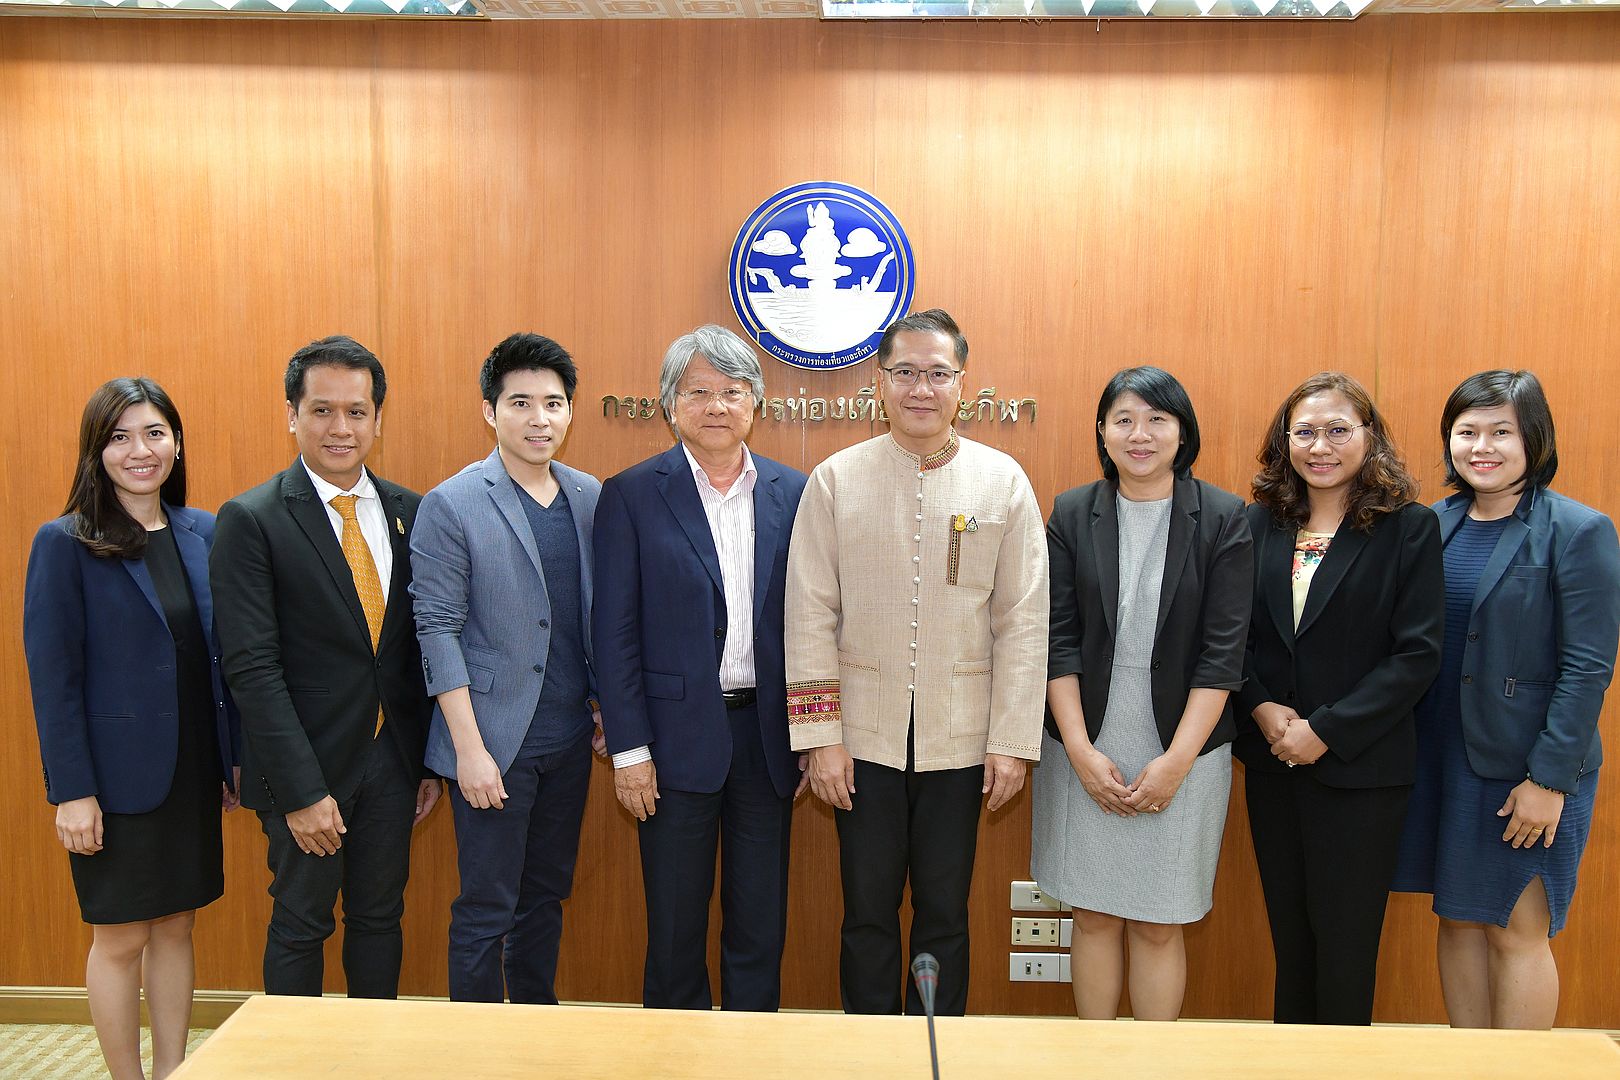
64, 1051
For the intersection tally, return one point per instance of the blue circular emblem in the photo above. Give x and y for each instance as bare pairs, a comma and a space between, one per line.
818, 272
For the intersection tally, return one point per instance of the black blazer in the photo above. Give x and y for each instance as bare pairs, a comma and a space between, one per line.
1203, 604
296, 650
1542, 634
1367, 647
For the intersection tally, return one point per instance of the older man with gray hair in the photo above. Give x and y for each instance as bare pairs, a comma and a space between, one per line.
691, 553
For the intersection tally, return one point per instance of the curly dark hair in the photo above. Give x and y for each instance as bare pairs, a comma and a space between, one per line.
1381, 487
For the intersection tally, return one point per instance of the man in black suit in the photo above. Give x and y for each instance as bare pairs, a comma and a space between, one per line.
310, 571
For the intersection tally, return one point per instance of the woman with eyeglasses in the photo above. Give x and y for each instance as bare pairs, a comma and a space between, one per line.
1508, 747
1344, 639
135, 730
1152, 573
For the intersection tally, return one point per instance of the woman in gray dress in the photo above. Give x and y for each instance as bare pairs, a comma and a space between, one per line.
1151, 573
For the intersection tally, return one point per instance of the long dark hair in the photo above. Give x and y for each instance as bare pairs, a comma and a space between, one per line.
1381, 487
100, 521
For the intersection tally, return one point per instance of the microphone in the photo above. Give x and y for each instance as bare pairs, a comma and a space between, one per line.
925, 972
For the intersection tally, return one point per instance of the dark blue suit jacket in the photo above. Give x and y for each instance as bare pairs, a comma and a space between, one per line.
659, 621
1541, 640
101, 663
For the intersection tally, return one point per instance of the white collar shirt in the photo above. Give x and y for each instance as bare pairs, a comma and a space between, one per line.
368, 509
731, 523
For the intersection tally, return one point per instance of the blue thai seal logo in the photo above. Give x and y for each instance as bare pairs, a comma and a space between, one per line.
818, 272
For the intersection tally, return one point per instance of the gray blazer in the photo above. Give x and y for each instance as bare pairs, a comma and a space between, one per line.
1541, 640
482, 612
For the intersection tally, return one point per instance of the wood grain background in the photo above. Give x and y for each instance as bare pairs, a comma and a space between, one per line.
1407, 198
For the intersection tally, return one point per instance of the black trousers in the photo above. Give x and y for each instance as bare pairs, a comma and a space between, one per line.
1327, 859
369, 870
750, 823
925, 825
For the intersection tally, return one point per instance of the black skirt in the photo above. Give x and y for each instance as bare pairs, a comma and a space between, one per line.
170, 859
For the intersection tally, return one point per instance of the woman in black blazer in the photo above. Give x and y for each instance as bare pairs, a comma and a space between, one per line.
1508, 747
1345, 638
135, 730
1151, 573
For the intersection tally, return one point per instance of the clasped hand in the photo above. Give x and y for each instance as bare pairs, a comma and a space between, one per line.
1290, 735
1151, 792
1103, 781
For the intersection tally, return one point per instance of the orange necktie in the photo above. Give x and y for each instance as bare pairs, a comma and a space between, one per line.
357, 553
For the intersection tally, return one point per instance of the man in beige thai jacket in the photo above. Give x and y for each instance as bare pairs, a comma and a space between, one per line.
916, 661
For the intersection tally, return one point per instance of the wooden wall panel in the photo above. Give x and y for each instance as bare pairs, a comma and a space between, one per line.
1409, 199
1499, 252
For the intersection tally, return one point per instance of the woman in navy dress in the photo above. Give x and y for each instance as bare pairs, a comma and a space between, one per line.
135, 730
1507, 738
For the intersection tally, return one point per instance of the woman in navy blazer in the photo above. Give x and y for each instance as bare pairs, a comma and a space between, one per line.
1508, 744
1344, 640
137, 735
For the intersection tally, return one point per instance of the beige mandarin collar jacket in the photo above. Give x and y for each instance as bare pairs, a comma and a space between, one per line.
918, 582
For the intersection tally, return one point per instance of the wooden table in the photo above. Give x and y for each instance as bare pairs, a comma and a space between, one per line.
272, 1038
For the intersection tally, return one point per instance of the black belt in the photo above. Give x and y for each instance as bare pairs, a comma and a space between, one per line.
738, 699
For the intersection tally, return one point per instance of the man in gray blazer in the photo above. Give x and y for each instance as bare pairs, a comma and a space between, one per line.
501, 565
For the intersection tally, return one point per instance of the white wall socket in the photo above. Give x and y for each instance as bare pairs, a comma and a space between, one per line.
1028, 896
1035, 967
1042, 932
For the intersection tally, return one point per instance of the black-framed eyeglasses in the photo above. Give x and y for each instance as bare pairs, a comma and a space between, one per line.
1338, 434
939, 378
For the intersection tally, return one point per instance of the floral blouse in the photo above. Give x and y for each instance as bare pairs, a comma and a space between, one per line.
1309, 547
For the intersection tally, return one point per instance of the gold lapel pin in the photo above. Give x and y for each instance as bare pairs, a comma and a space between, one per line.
399, 524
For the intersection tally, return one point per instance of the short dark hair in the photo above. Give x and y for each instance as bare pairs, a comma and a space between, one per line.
933, 321
1162, 392
100, 521
526, 352
339, 350
1383, 485
1520, 390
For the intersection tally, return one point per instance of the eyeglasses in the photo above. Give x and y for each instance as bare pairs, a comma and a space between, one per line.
1338, 434
939, 378
731, 397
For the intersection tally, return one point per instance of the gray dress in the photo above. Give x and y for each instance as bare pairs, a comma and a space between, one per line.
1157, 868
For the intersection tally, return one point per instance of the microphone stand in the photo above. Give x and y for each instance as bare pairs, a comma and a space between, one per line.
925, 971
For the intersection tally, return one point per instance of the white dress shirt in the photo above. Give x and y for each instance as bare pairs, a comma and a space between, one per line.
368, 508
731, 524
